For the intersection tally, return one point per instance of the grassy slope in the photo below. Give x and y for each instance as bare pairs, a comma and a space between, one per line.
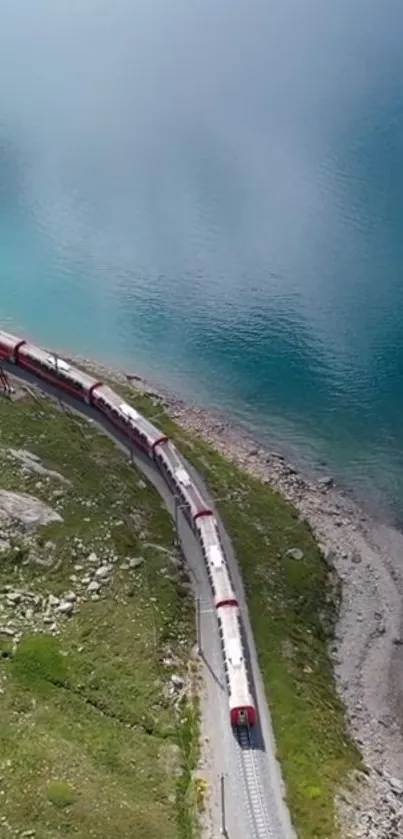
88, 743
292, 608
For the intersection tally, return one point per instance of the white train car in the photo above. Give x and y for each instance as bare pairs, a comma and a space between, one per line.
180, 482
241, 704
140, 430
215, 561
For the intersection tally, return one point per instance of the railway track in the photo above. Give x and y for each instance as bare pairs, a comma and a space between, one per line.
260, 820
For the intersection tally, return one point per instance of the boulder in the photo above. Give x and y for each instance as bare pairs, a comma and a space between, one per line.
295, 553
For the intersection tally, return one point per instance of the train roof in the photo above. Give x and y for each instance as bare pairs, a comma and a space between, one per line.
230, 621
182, 477
209, 530
128, 411
235, 653
54, 362
143, 425
215, 557
220, 580
236, 668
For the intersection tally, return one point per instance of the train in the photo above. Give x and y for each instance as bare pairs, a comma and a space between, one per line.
147, 438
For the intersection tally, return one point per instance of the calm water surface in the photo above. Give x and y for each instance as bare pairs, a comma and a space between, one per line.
212, 193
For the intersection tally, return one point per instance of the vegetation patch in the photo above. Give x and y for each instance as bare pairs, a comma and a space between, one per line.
60, 794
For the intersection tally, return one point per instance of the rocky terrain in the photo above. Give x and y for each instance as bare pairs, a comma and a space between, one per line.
23, 610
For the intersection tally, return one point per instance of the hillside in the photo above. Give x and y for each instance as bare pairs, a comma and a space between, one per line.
98, 727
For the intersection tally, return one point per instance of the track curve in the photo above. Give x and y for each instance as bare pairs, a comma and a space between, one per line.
253, 789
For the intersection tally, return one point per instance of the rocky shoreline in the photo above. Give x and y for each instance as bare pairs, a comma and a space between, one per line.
367, 651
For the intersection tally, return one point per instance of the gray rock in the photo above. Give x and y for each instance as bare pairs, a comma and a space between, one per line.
70, 597
295, 553
356, 558
396, 786
66, 607
53, 601
93, 587
136, 562
326, 482
331, 558
14, 598
103, 572
33, 463
29, 511
49, 546
177, 681
277, 455
92, 558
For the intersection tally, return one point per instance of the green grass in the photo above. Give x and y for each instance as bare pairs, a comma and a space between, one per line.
90, 740
293, 606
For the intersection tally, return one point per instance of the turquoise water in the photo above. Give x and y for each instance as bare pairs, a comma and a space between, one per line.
211, 193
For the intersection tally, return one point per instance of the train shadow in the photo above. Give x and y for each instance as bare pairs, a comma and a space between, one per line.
211, 671
249, 738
